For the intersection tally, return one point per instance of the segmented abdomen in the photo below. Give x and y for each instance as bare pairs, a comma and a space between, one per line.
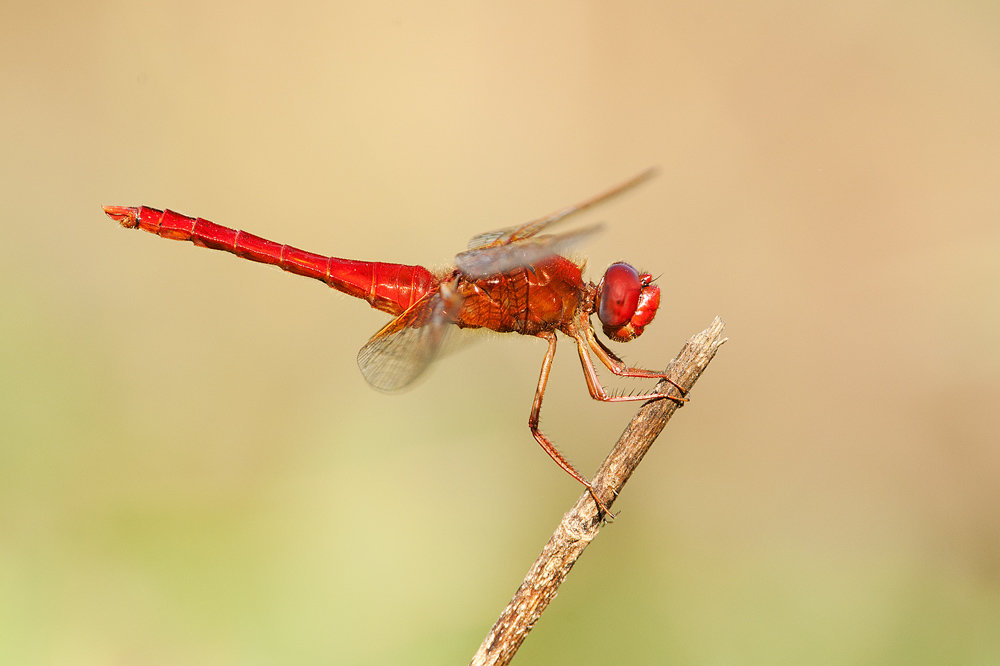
388, 287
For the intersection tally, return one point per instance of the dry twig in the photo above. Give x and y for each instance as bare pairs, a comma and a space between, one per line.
581, 524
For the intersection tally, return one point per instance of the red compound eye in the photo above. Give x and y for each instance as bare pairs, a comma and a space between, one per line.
618, 295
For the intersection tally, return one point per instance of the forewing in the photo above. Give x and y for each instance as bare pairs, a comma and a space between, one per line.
510, 235
403, 348
502, 258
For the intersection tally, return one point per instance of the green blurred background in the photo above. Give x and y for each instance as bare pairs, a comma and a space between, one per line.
193, 471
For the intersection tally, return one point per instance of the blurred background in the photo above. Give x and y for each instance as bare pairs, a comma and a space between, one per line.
192, 469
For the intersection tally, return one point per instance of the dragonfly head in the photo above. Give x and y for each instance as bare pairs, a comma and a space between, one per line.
626, 301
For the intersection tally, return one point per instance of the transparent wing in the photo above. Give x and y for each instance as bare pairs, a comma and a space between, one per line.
502, 258
510, 235
403, 348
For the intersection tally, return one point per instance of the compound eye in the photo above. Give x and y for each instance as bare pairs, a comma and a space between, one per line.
618, 294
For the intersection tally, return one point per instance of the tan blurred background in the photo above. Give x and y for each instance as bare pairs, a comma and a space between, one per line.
193, 471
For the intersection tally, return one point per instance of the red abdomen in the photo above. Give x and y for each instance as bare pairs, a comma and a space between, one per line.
391, 288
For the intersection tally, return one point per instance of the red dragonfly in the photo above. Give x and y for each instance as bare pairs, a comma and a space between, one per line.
511, 280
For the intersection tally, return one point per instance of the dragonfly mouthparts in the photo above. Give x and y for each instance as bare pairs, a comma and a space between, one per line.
123, 215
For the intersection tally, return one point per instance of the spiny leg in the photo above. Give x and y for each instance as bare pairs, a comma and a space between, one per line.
620, 368
545, 442
598, 392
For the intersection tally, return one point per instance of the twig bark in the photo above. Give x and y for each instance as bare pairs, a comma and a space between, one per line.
582, 523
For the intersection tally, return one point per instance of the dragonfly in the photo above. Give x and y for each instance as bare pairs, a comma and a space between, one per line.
514, 280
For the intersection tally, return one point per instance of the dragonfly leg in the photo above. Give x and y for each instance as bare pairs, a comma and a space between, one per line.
617, 366
620, 368
545, 442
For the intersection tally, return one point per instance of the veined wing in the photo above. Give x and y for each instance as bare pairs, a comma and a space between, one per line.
403, 348
519, 233
498, 259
